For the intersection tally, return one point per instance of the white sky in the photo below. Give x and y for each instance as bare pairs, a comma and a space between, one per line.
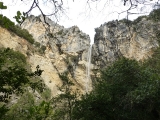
79, 13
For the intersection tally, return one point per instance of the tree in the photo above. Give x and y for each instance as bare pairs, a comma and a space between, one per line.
12, 73
15, 76
125, 91
64, 103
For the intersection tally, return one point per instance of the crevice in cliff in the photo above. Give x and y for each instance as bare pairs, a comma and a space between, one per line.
59, 48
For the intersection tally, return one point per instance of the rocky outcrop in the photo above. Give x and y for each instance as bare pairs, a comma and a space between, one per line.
134, 40
56, 50
66, 50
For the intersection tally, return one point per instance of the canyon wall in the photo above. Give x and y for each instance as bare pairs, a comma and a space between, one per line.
131, 39
58, 50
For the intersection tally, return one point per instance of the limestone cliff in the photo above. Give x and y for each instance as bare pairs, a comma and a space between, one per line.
130, 39
56, 50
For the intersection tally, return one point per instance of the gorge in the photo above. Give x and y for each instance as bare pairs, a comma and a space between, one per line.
58, 50
49, 72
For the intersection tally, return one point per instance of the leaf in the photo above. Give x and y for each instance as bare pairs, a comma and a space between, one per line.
2, 6
24, 14
19, 13
23, 18
1, 16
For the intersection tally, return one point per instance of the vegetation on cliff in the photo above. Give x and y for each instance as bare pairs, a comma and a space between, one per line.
9, 25
15, 77
126, 90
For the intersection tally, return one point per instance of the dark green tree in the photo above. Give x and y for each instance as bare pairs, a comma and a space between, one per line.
15, 75
125, 91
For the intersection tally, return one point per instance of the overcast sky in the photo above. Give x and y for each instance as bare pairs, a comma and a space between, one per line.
86, 16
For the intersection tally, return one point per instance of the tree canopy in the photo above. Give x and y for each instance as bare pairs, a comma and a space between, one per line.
125, 91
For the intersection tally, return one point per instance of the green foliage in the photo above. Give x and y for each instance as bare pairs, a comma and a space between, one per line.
41, 111
5, 22
46, 94
63, 104
22, 33
70, 61
2, 6
155, 15
154, 61
20, 17
42, 49
37, 44
19, 110
3, 110
125, 91
27, 108
9, 25
12, 73
60, 32
14, 79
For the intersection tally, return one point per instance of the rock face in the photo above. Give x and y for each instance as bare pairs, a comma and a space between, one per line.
56, 50
66, 50
134, 40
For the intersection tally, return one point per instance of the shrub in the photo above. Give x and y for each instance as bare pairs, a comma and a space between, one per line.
37, 44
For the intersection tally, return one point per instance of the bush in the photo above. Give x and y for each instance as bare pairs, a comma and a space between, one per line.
22, 33
37, 44
42, 49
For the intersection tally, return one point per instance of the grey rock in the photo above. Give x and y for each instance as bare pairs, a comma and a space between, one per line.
116, 39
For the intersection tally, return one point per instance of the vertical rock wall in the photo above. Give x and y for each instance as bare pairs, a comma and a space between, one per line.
124, 38
66, 50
